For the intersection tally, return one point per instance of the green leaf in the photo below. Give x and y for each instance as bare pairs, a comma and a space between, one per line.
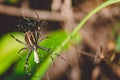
9, 49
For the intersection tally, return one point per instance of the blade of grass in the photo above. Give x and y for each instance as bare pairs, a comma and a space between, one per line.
44, 67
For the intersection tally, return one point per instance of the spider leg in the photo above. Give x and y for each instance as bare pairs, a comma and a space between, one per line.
17, 40
52, 61
21, 49
36, 34
50, 51
44, 37
26, 63
38, 30
45, 49
38, 18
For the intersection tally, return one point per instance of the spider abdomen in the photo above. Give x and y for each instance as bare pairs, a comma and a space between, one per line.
30, 39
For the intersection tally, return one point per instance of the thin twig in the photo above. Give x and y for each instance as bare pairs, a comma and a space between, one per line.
44, 15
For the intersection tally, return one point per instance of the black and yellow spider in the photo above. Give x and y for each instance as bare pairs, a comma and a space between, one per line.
32, 40
31, 43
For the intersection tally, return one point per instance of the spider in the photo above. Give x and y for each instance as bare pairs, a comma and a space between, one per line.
31, 42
